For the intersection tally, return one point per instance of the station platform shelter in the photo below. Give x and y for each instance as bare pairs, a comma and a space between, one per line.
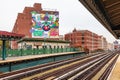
38, 43
8, 36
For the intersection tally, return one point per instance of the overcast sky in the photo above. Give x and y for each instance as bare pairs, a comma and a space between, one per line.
72, 15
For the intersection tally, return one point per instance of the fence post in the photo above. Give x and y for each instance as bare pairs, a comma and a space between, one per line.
21, 51
65, 49
50, 50
43, 50
57, 49
70, 49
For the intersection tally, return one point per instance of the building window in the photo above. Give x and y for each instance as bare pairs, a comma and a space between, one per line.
54, 47
50, 47
82, 42
82, 33
58, 47
82, 38
44, 46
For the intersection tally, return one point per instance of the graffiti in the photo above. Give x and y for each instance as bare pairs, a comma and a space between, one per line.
45, 25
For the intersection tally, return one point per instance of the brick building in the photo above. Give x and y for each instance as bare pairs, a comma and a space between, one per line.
110, 46
85, 39
34, 22
104, 43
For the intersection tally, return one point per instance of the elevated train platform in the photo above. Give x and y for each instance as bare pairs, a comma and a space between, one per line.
107, 12
15, 63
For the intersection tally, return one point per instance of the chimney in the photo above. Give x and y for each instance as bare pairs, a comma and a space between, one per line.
74, 30
37, 6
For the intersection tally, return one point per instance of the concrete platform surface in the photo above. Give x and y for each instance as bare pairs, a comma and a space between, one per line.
19, 58
115, 75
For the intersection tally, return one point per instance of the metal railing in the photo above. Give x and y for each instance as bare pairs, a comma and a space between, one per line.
25, 52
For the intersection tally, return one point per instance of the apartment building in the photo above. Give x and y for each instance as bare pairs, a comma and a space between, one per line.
85, 39
34, 22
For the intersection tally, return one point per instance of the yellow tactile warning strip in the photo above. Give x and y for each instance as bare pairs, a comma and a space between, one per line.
115, 75
96, 77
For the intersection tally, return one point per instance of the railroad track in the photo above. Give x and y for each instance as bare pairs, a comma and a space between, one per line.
71, 69
107, 72
84, 75
82, 72
90, 72
75, 69
34, 70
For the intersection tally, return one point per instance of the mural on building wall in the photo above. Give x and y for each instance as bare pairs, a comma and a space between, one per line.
45, 25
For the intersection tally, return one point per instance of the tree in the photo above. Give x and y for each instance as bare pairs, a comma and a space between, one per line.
7, 44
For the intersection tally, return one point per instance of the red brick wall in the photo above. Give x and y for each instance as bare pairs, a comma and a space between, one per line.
84, 38
23, 22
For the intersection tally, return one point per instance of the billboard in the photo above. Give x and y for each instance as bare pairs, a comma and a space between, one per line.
45, 25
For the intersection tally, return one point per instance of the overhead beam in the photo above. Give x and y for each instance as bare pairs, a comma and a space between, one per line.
115, 18
111, 11
116, 27
104, 12
116, 23
115, 14
92, 7
118, 35
117, 2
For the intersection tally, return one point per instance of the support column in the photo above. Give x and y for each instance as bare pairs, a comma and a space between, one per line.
3, 50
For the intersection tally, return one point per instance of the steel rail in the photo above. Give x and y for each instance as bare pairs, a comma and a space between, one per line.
43, 68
